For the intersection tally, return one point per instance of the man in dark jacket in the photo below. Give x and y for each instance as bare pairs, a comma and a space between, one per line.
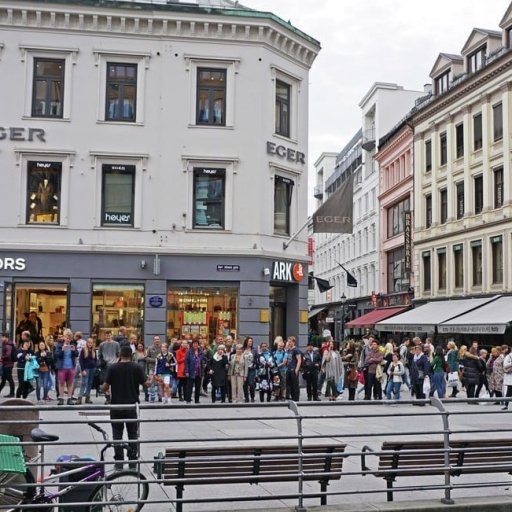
8, 358
310, 367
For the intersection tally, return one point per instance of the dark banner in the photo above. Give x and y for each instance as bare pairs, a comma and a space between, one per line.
335, 215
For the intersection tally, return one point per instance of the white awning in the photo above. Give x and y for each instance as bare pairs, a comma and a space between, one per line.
315, 311
426, 318
492, 318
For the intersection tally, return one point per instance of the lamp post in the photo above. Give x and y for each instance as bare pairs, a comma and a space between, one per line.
343, 300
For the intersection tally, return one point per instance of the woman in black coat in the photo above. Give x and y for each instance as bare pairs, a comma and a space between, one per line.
419, 369
471, 373
218, 370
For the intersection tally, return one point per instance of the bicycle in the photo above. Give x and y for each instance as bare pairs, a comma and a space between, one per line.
119, 491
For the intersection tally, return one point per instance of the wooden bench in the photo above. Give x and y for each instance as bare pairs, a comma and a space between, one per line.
248, 464
425, 458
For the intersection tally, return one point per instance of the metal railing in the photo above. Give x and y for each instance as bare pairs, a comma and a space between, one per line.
304, 424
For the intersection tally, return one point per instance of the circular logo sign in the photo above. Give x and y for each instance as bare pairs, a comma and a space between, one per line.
155, 301
297, 271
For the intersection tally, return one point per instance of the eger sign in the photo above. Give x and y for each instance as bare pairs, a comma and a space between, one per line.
287, 271
286, 153
22, 134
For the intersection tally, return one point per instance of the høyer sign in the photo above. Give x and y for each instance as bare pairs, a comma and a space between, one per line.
13, 264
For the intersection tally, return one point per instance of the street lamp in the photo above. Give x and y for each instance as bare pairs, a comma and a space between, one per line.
343, 300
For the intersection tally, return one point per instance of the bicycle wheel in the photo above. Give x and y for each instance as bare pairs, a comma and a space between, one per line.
13, 492
120, 487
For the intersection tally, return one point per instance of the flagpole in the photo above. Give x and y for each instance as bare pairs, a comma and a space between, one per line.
296, 234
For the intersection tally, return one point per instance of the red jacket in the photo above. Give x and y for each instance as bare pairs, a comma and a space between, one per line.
180, 355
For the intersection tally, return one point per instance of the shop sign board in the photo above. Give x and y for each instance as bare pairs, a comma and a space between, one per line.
287, 271
18, 264
22, 134
228, 268
285, 153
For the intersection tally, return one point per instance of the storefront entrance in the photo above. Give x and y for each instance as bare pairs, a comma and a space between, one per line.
278, 303
48, 301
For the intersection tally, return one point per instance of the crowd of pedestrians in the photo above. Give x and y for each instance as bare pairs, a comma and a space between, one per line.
237, 371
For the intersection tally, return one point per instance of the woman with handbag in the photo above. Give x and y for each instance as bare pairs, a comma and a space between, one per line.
333, 368
419, 370
452, 360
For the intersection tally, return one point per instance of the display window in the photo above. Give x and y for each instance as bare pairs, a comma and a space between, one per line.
116, 305
206, 312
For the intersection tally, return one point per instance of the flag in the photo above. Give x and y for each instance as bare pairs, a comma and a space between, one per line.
335, 215
351, 280
323, 284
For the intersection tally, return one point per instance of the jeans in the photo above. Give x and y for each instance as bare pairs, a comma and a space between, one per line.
438, 384
312, 384
222, 390
393, 387
372, 384
43, 382
86, 384
292, 381
24, 386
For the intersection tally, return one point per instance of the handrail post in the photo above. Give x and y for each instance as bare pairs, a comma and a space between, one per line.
447, 500
293, 407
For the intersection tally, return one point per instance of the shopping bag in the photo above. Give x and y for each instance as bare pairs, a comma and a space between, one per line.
453, 379
426, 386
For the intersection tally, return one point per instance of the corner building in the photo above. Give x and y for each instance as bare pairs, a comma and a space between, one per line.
154, 159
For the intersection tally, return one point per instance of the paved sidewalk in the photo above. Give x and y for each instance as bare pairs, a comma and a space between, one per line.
196, 424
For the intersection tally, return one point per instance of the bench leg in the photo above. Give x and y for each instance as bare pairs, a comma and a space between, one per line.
389, 485
323, 488
179, 496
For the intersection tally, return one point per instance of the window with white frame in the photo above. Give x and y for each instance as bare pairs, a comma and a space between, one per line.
118, 195
212, 85
283, 194
49, 72
476, 60
209, 198
44, 180
122, 78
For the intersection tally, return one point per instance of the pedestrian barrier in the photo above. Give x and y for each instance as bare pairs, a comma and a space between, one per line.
282, 447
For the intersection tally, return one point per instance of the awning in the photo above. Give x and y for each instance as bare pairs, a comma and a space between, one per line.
371, 318
426, 318
315, 311
492, 318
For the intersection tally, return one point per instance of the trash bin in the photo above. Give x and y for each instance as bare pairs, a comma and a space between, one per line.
10, 422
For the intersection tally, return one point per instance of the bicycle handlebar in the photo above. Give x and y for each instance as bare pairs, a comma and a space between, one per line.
100, 430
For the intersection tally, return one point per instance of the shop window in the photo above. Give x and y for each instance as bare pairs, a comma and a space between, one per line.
477, 132
396, 217
459, 140
211, 96
209, 198
497, 259
476, 256
397, 276
48, 88
497, 121
428, 156
498, 187
118, 190
283, 193
282, 108
207, 312
458, 264
427, 272
441, 269
443, 200
121, 92
116, 305
43, 192
443, 149
479, 194
428, 210
460, 199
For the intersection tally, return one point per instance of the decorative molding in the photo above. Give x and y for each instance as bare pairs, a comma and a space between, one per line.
235, 61
60, 153
121, 53
25, 49
189, 161
116, 155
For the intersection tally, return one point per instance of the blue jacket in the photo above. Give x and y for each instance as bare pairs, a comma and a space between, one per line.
190, 364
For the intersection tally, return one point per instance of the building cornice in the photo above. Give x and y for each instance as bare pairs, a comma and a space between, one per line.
402, 136
245, 28
462, 89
